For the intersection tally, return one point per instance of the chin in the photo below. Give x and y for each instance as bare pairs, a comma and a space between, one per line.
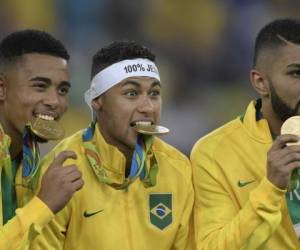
40, 140
131, 139
131, 145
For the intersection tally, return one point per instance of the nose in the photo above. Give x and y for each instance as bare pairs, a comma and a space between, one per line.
146, 105
51, 99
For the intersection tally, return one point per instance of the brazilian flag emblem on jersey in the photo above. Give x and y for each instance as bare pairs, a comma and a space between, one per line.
160, 205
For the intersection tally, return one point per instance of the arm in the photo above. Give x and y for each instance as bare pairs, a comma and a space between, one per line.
29, 220
220, 224
57, 187
184, 237
54, 233
63, 181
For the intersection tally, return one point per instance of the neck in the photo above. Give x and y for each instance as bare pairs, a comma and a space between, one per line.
274, 121
125, 149
15, 148
128, 156
16, 139
127, 152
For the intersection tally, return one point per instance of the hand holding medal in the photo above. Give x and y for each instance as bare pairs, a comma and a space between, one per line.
292, 126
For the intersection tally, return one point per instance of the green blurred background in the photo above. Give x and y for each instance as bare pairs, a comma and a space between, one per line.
204, 51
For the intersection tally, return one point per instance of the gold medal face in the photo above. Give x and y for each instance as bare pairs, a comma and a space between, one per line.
151, 129
47, 129
291, 126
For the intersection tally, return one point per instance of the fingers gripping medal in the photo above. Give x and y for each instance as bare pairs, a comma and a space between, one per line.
292, 126
47, 128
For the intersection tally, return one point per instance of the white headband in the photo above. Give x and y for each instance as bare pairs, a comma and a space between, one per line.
116, 73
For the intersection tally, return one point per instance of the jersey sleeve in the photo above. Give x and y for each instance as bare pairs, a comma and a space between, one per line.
29, 220
185, 236
218, 222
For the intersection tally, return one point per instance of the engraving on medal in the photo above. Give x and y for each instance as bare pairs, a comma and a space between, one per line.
47, 129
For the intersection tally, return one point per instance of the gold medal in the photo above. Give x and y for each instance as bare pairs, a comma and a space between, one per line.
47, 129
151, 129
292, 126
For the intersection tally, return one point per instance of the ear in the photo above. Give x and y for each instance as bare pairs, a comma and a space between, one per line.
260, 83
97, 104
2, 87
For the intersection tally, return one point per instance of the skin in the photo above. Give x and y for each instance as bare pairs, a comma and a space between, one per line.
277, 79
59, 182
39, 84
35, 84
134, 99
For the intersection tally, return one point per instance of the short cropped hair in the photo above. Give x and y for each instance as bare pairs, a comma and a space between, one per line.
118, 51
270, 36
29, 41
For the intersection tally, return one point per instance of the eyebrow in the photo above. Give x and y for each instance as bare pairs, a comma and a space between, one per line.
137, 84
294, 65
48, 80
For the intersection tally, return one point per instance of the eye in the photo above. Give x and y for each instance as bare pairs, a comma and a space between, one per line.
154, 93
131, 93
63, 90
295, 73
40, 86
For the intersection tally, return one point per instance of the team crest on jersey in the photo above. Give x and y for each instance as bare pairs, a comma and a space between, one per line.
160, 207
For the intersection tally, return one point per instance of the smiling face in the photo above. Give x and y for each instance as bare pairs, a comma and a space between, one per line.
135, 99
36, 84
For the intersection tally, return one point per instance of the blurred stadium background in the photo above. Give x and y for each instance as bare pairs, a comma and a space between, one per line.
204, 51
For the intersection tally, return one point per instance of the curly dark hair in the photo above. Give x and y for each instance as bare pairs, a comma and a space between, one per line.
118, 51
269, 36
28, 41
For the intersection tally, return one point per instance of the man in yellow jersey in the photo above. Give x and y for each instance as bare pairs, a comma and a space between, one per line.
34, 85
138, 192
242, 169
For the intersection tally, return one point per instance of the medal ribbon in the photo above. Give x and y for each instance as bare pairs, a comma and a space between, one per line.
8, 173
9, 170
138, 166
31, 154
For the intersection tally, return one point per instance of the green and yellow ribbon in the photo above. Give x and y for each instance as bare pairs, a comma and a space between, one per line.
143, 150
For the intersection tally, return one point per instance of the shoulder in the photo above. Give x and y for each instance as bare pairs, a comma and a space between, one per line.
162, 148
72, 143
218, 138
171, 157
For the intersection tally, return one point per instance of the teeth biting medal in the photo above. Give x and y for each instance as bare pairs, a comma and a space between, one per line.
47, 128
150, 129
119, 71
143, 153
